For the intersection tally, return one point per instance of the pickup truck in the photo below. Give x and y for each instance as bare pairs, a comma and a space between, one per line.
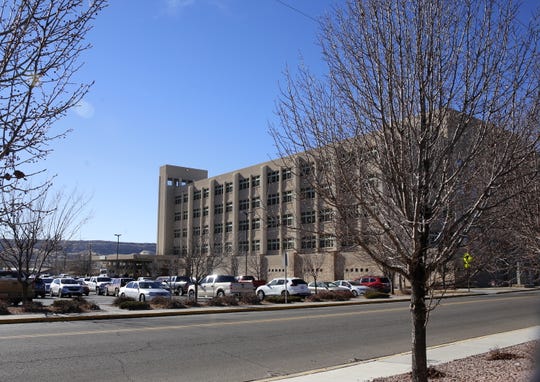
219, 286
178, 284
256, 283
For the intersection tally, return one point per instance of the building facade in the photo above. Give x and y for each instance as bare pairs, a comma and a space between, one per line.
251, 217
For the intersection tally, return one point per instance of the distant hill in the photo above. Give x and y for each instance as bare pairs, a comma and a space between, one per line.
101, 247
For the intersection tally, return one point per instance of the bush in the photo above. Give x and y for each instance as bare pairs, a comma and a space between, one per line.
34, 307
192, 303
4, 308
281, 299
223, 301
67, 306
328, 295
250, 299
375, 294
497, 354
134, 305
119, 300
166, 303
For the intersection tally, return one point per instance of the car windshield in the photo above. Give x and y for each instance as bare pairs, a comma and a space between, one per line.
69, 281
103, 279
149, 285
295, 282
355, 283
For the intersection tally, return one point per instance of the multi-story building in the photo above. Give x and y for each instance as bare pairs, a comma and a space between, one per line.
251, 217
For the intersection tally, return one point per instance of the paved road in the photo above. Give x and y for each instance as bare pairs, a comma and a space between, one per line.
242, 346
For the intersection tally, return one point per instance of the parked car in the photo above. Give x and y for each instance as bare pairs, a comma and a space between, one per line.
96, 281
256, 283
177, 284
47, 281
39, 288
113, 288
281, 286
65, 287
102, 289
380, 283
86, 288
326, 286
143, 290
356, 288
218, 286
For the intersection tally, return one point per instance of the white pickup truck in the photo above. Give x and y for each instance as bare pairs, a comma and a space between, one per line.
219, 286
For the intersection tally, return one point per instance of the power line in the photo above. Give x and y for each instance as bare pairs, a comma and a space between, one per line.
297, 10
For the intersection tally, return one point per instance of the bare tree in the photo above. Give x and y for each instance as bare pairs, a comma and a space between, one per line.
31, 235
312, 264
429, 111
41, 41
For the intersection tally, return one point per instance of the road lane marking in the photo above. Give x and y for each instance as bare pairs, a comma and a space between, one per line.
242, 322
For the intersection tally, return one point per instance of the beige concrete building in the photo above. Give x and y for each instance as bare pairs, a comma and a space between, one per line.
251, 217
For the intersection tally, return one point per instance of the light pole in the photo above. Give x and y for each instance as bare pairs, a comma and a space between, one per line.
117, 247
246, 245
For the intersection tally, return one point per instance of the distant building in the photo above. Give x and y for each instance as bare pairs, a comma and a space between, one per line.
252, 216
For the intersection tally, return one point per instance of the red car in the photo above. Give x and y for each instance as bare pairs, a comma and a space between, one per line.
379, 283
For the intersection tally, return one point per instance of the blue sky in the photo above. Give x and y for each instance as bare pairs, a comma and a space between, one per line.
183, 82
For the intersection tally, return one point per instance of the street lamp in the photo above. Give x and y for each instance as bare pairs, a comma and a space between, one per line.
117, 247
246, 244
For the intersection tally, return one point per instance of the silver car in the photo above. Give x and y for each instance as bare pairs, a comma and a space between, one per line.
282, 286
144, 290
65, 287
355, 287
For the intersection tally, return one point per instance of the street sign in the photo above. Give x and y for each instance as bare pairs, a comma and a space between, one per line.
467, 260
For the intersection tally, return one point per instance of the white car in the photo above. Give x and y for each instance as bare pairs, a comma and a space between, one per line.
96, 281
65, 287
356, 288
278, 287
144, 290
326, 286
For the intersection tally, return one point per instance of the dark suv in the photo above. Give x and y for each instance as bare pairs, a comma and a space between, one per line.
113, 288
379, 283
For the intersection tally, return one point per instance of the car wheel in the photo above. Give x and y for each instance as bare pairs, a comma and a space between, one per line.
191, 295
116, 292
87, 293
354, 293
260, 295
285, 292
123, 295
220, 293
142, 297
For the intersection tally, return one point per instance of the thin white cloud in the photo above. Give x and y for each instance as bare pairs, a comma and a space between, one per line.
84, 109
174, 6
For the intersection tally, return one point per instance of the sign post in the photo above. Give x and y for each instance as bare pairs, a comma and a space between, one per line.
285, 263
467, 260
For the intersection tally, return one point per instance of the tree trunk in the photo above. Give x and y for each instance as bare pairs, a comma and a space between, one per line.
419, 317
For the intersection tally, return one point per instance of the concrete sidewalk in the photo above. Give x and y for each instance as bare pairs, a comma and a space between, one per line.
401, 363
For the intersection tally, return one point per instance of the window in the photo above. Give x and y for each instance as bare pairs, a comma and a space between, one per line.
205, 211
288, 243
196, 195
255, 245
228, 247
273, 199
205, 230
307, 193
306, 169
176, 233
228, 227
228, 187
243, 225
218, 248
228, 207
243, 246
177, 216
308, 242
308, 217
178, 199
218, 228
256, 202
287, 220
255, 181
287, 196
184, 232
218, 209
272, 177
272, 222
205, 192
185, 198
286, 173
204, 248
326, 215
184, 215
243, 184
196, 231
197, 213
218, 189
272, 245
256, 223
326, 241
243, 205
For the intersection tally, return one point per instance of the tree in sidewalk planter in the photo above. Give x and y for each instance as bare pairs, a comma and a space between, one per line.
427, 118
42, 42
34, 230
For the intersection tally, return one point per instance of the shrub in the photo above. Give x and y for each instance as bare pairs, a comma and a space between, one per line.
134, 305
191, 303
314, 298
119, 300
250, 299
166, 303
375, 294
497, 354
34, 307
328, 295
4, 308
67, 306
223, 301
281, 299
